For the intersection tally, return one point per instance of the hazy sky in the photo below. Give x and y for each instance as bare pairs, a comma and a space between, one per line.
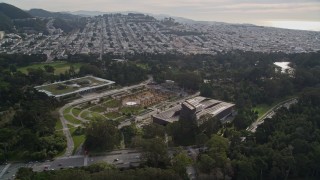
236, 11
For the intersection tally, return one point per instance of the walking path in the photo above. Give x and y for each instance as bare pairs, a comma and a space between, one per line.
66, 132
4, 170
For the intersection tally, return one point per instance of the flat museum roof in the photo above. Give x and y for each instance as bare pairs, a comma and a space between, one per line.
100, 83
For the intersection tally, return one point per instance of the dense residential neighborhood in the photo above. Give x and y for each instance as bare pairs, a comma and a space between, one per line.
126, 95
137, 33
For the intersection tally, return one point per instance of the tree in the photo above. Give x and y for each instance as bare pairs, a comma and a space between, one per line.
180, 163
97, 167
216, 161
155, 152
245, 169
183, 132
13, 68
206, 90
205, 163
201, 139
49, 69
25, 173
210, 125
129, 132
90, 69
102, 135
153, 130
72, 71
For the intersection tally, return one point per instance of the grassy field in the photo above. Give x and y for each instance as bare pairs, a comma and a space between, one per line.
77, 139
113, 103
76, 111
113, 115
71, 119
58, 125
98, 108
85, 114
59, 128
59, 131
261, 109
133, 110
66, 111
60, 67
97, 116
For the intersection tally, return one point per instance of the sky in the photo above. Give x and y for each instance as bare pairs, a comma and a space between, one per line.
292, 14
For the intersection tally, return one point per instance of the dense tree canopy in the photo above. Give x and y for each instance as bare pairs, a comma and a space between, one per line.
85, 173
287, 145
102, 135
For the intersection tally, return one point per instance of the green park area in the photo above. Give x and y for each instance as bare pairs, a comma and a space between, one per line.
60, 67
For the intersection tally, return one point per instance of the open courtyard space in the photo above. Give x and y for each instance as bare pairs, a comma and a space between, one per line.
74, 86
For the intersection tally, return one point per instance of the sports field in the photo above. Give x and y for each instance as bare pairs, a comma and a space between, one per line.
60, 67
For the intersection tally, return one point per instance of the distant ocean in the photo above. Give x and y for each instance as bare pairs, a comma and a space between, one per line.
299, 25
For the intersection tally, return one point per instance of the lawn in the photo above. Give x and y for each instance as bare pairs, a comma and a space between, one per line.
131, 109
113, 115
261, 109
72, 119
85, 114
76, 111
77, 139
58, 125
97, 116
60, 67
67, 110
83, 106
98, 108
112, 103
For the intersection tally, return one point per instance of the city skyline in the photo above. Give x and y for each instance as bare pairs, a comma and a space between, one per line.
296, 14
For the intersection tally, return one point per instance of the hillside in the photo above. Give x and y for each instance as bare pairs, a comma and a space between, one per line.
8, 14
11, 16
5, 22
13, 12
48, 14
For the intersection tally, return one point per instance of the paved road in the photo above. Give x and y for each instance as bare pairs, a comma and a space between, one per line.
120, 158
271, 112
9, 173
4, 169
124, 158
